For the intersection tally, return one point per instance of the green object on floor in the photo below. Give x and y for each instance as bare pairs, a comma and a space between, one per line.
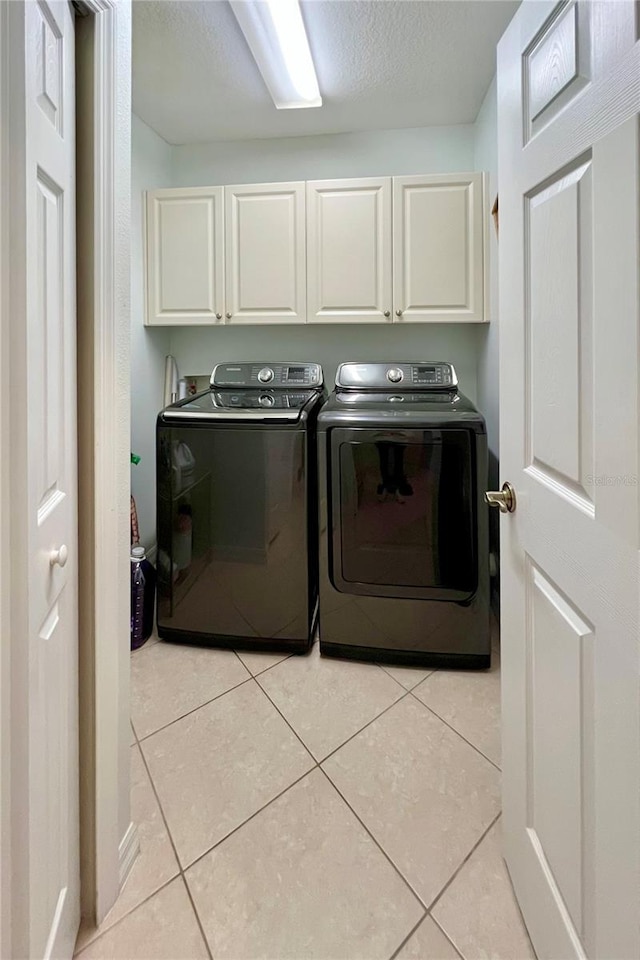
135, 458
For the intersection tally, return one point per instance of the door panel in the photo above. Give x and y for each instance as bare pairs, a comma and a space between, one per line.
569, 134
557, 65
349, 221
50, 804
559, 322
560, 761
185, 256
265, 253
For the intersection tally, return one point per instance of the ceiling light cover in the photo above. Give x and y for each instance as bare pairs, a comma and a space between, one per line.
275, 32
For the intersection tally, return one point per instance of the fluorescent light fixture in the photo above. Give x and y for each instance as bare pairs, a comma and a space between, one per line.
275, 32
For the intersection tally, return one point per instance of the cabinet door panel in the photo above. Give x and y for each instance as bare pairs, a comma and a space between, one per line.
349, 250
185, 256
438, 248
265, 253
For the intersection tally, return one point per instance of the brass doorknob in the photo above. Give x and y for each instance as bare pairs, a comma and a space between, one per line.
504, 499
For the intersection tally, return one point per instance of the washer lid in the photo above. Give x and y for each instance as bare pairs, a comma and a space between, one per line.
242, 405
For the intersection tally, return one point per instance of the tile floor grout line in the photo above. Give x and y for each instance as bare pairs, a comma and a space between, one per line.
367, 724
277, 708
267, 652
175, 851
197, 915
161, 808
466, 859
445, 934
462, 737
408, 936
195, 709
124, 916
173, 847
339, 747
253, 815
316, 766
376, 842
384, 666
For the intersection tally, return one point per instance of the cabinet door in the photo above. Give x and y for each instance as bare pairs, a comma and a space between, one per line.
438, 256
265, 253
349, 250
185, 256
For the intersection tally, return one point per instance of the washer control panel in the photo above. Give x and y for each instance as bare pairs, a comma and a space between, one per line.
424, 375
281, 374
431, 375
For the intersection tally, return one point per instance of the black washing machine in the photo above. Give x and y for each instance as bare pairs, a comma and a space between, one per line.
404, 555
237, 509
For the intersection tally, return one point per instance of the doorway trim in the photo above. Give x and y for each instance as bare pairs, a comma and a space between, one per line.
6, 864
108, 839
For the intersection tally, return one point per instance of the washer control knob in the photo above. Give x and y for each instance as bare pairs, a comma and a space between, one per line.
266, 400
265, 375
395, 375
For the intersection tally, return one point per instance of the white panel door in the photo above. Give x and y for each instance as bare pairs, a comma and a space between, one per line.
265, 253
349, 250
438, 248
49, 847
569, 134
185, 256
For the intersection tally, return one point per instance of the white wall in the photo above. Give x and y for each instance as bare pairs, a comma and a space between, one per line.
151, 166
385, 153
371, 154
197, 350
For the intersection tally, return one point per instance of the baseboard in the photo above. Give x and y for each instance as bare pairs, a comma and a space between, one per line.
127, 852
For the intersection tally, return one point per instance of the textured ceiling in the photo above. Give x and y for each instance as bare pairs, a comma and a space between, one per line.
381, 64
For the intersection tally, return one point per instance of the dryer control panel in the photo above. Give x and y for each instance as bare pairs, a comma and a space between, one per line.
268, 373
424, 375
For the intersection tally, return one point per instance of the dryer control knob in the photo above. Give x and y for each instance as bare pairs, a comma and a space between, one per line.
266, 400
265, 375
395, 375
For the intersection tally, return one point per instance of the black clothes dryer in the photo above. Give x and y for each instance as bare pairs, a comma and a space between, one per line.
404, 555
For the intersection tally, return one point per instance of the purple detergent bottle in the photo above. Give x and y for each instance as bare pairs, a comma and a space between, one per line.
143, 590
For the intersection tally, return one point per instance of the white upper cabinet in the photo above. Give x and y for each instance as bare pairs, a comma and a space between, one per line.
375, 250
349, 250
438, 262
265, 253
185, 256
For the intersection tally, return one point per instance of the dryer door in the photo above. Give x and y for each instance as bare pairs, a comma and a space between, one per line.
403, 513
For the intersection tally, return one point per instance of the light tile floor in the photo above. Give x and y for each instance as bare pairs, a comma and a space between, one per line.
300, 808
